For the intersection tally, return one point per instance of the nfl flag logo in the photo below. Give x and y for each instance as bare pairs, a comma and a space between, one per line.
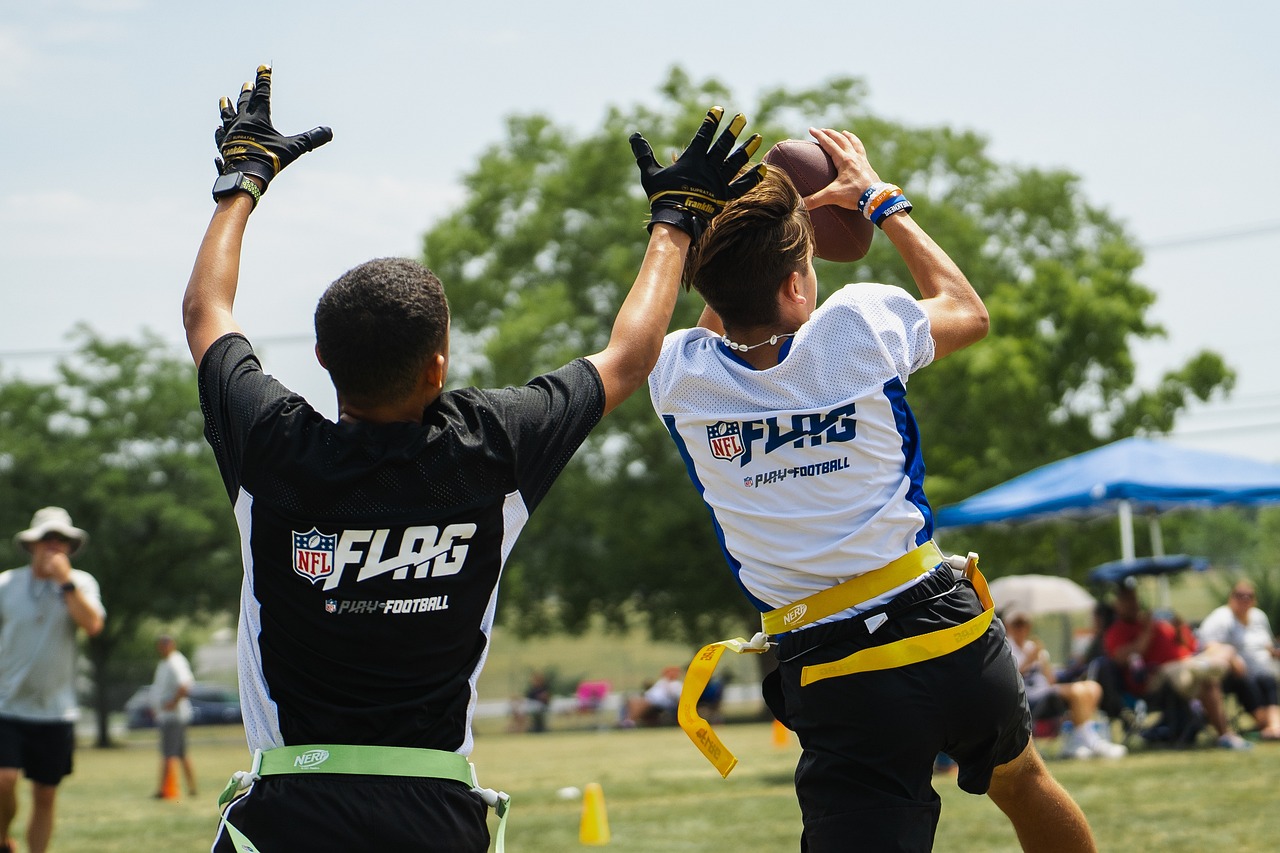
313, 554
725, 440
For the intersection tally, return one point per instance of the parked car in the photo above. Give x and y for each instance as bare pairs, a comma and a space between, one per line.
211, 704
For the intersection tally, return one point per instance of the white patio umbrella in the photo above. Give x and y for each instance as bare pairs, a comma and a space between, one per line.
1037, 595
1040, 596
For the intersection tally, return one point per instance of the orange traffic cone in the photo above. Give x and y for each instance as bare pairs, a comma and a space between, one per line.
169, 788
594, 828
781, 735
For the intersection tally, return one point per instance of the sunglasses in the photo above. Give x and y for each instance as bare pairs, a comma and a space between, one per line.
56, 537
1243, 596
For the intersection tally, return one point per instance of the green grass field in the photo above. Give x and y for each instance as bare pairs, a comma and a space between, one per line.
660, 794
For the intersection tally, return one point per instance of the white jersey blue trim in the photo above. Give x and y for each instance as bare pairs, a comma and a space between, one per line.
734, 565
906, 421
812, 468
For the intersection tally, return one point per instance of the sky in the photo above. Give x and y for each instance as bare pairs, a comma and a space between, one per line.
1166, 110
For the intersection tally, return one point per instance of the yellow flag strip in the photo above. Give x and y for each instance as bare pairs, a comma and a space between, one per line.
898, 653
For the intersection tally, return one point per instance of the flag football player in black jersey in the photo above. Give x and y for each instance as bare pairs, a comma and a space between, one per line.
373, 546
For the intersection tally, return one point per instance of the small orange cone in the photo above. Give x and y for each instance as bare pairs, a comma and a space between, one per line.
594, 828
781, 735
169, 789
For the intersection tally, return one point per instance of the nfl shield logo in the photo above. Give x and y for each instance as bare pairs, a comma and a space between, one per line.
330, 605
313, 554
725, 440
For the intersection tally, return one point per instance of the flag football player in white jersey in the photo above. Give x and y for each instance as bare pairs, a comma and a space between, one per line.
793, 422
373, 546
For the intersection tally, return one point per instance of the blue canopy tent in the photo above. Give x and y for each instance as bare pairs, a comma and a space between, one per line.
1133, 474
1124, 477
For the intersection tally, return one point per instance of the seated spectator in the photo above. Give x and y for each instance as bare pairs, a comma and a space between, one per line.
1159, 652
1241, 625
711, 700
537, 699
659, 701
1048, 697
528, 712
1092, 664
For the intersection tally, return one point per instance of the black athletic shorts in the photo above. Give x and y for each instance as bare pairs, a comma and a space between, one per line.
42, 750
387, 814
864, 780
1254, 689
1268, 692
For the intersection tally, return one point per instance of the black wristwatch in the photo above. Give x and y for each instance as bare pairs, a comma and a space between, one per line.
236, 182
68, 587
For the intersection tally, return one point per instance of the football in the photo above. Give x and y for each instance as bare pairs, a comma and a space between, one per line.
840, 234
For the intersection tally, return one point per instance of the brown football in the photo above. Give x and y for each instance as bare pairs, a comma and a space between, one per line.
840, 234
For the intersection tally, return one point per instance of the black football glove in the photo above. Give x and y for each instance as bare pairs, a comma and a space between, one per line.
247, 141
702, 180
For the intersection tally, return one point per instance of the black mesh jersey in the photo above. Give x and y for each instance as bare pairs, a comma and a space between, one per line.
372, 552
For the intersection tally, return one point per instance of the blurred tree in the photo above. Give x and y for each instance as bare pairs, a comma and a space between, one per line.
1264, 563
549, 236
117, 439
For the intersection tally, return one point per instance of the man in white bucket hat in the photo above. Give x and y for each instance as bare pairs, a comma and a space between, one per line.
42, 605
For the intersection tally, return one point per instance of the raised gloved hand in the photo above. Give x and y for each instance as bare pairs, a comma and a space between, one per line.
249, 144
693, 189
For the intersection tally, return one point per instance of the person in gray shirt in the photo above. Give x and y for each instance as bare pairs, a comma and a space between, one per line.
42, 605
171, 707
1241, 624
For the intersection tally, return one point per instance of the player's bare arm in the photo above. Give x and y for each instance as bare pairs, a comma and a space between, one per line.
956, 314
643, 319
251, 153
211, 290
682, 198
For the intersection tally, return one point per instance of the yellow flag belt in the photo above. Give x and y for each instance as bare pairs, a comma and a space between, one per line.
819, 606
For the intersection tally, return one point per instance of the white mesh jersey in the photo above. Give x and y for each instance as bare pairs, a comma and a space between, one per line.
812, 468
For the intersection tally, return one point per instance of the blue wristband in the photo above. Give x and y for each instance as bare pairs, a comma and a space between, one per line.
897, 204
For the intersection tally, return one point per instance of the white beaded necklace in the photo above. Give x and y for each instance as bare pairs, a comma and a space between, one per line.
737, 347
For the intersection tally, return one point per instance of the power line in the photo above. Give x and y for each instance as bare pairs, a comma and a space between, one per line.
1238, 233
1262, 426
1237, 411
1255, 398
1252, 401
56, 352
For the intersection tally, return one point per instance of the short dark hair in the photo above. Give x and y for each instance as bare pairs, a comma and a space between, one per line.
749, 249
377, 326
